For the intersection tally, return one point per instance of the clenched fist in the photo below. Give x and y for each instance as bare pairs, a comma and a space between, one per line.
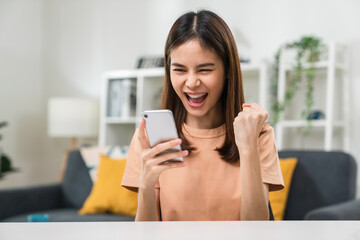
248, 124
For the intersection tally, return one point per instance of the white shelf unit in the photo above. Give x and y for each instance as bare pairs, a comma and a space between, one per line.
119, 130
331, 96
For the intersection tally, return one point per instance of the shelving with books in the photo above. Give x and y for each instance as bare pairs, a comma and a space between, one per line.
118, 130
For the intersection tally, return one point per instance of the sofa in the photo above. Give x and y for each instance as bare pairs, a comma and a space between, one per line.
59, 201
323, 188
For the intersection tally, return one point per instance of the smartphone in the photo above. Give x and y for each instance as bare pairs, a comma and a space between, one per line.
160, 127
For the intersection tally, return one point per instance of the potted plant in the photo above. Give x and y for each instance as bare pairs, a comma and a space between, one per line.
307, 49
5, 162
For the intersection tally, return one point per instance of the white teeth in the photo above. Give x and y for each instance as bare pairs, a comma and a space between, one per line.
196, 96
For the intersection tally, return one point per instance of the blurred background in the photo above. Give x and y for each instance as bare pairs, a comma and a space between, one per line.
61, 48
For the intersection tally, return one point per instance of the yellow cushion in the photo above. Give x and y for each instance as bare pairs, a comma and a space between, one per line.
278, 199
107, 194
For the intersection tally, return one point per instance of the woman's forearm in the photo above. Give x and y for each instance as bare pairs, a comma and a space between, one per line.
254, 202
148, 205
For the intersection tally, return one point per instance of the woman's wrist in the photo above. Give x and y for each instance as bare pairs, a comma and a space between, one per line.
248, 149
146, 190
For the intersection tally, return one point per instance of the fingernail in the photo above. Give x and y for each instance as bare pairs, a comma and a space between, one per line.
177, 141
184, 153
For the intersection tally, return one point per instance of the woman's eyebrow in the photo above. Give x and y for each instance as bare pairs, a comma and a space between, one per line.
199, 66
206, 65
177, 65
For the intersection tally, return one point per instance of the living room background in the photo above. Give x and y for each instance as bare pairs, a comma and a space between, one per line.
61, 48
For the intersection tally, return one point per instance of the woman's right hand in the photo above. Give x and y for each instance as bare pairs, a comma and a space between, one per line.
152, 165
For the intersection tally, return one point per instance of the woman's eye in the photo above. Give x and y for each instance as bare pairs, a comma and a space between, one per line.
205, 70
178, 70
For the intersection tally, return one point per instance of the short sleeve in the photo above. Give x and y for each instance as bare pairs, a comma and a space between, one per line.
269, 159
131, 178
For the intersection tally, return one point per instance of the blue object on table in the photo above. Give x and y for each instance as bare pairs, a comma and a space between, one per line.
38, 218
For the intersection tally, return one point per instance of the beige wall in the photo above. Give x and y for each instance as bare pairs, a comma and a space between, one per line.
21, 88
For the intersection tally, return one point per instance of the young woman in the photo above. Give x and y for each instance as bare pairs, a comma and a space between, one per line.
230, 158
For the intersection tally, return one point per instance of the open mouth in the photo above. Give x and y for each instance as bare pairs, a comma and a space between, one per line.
196, 100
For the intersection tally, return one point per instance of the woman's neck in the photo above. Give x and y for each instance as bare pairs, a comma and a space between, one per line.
211, 120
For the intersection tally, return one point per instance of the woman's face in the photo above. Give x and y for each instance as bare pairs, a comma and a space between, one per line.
197, 76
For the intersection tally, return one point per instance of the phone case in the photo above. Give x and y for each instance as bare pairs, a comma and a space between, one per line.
160, 127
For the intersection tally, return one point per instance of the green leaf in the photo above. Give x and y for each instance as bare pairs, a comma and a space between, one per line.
5, 164
3, 124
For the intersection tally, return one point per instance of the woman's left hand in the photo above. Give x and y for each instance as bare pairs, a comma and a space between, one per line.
248, 125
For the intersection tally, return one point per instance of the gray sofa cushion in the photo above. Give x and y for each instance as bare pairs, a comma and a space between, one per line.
29, 199
70, 215
320, 179
349, 210
77, 184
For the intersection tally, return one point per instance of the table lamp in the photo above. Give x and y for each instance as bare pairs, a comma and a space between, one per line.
72, 118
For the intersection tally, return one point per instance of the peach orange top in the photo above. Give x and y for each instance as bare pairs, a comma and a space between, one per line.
207, 188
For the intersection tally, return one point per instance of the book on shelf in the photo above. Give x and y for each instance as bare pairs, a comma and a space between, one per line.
122, 98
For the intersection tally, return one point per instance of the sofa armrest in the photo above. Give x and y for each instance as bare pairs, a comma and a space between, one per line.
23, 200
349, 210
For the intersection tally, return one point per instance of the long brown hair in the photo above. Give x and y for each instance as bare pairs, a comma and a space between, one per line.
214, 34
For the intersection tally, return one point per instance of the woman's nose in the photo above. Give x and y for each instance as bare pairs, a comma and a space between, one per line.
192, 81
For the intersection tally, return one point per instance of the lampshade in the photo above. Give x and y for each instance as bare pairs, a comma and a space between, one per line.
73, 117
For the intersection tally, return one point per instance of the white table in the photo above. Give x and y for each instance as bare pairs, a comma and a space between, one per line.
293, 230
